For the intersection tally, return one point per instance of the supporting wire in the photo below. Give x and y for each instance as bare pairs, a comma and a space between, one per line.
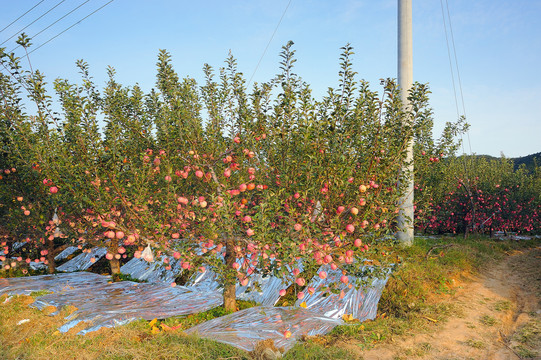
457, 70
443, 13
42, 15
14, 21
268, 44
76, 23
42, 30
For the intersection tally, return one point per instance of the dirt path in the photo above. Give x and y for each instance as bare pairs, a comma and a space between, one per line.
499, 318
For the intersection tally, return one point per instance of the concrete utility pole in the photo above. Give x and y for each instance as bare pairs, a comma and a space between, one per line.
405, 81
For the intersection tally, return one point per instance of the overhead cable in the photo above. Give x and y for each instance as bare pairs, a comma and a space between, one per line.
14, 21
20, 31
267, 47
76, 23
457, 70
34, 36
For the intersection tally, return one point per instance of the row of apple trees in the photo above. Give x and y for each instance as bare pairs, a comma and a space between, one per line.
239, 180
477, 194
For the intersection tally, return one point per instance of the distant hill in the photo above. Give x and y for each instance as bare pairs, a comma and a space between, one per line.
530, 161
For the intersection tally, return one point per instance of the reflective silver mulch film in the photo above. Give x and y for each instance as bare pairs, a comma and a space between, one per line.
55, 283
83, 261
152, 271
265, 289
103, 304
244, 329
262, 290
37, 265
362, 303
205, 281
122, 302
66, 252
18, 245
33, 265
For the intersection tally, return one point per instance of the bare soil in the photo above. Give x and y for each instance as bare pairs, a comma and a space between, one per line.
498, 317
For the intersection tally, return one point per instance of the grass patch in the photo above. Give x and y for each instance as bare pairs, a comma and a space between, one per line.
525, 353
185, 322
310, 350
476, 344
502, 305
419, 350
488, 320
529, 334
529, 338
125, 277
38, 293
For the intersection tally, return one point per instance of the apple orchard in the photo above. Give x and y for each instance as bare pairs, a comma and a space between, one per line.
237, 180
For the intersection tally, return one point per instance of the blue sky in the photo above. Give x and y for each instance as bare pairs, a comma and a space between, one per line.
498, 47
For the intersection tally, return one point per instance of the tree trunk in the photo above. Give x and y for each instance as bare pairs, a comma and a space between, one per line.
50, 256
115, 266
230, 279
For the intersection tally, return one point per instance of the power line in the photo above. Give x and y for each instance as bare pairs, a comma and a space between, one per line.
450, 61
14, 21
453, 78
76, 23
267, 47
456, 60
20, 31
32, 37
457, 70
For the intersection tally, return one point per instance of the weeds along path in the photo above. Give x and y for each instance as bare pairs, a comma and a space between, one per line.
498, 316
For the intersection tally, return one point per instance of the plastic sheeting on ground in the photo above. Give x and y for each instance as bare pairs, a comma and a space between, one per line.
324, 311
261, 289
122, 302
54, 283
152, 271
66, 252
102, 304
362, 303
244, 329
83, 261
37, 265
40, 265
18, 245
